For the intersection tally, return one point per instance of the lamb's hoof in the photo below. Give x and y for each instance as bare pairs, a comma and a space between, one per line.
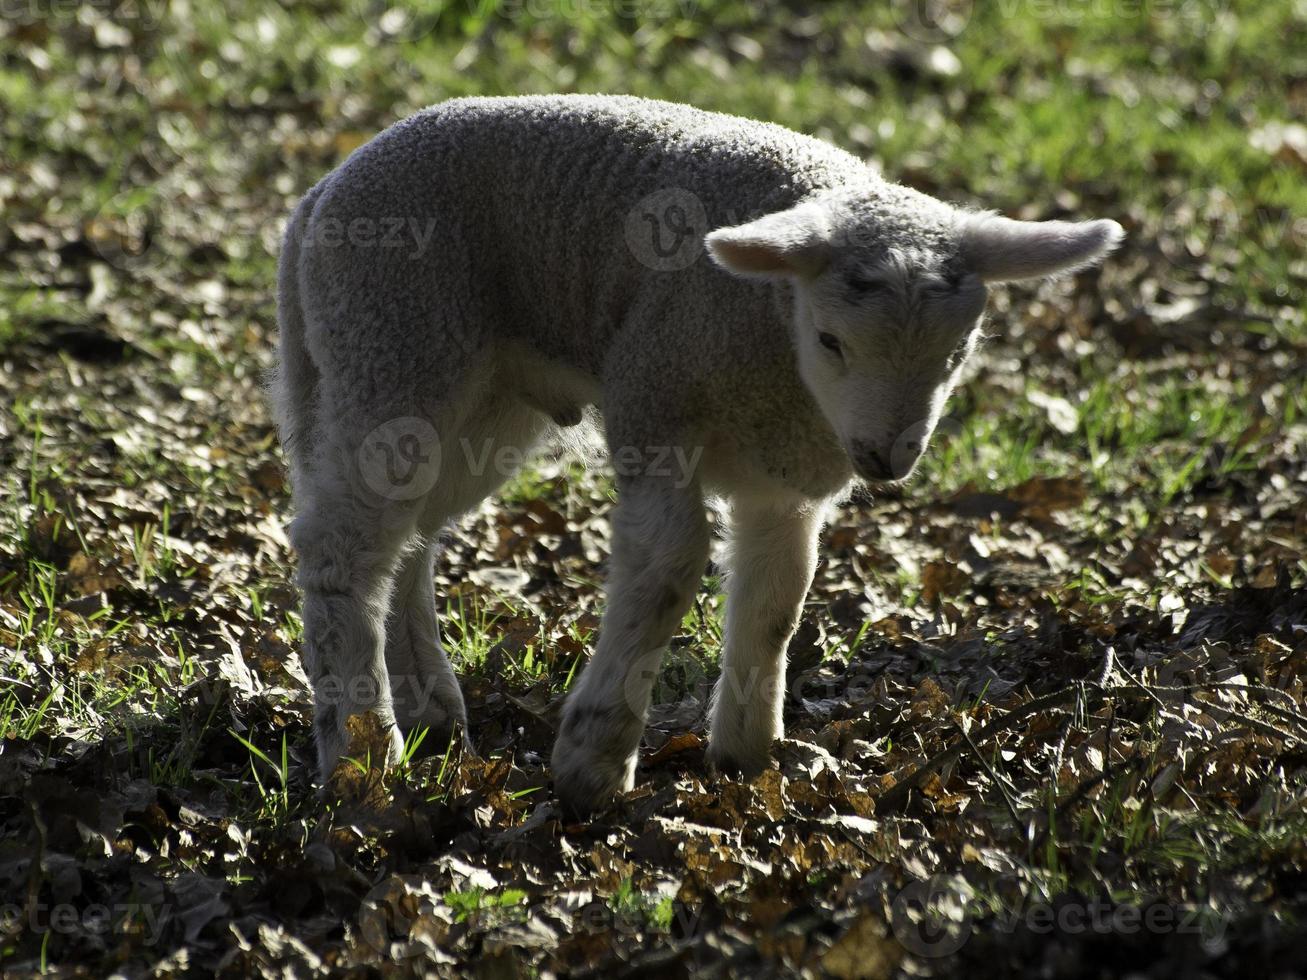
731, 763
585, 786
440, 731
365, 738
583, 797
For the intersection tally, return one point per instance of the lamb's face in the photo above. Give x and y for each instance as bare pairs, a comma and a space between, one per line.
880, 346
881, 333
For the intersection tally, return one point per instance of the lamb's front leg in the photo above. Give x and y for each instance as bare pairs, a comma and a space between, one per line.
770, 566
660, 546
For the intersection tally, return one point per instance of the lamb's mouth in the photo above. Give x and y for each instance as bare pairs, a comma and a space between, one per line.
875, 472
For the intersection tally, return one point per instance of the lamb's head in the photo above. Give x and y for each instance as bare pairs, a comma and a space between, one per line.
889, 293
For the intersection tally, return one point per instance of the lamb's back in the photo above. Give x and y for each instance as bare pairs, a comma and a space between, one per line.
531, 199
612, 150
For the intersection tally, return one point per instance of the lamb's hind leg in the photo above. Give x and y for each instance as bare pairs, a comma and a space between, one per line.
496, 432
348, 549
423, 686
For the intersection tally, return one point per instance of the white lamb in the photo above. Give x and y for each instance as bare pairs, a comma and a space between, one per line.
483, 273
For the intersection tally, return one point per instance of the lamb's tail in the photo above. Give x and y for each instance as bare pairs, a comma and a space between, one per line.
293, 383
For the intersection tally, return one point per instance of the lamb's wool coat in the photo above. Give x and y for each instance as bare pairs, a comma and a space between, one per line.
489, 269
530, 200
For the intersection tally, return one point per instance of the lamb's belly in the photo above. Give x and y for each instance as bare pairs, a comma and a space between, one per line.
557, 390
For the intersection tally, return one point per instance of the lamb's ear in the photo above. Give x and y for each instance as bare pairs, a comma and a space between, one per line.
788, 243
1000, 249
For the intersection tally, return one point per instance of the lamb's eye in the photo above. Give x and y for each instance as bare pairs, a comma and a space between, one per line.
831, 343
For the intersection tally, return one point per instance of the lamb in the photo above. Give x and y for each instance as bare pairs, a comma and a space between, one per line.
756, 304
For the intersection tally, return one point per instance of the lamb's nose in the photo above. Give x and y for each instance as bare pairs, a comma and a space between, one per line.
870, 462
